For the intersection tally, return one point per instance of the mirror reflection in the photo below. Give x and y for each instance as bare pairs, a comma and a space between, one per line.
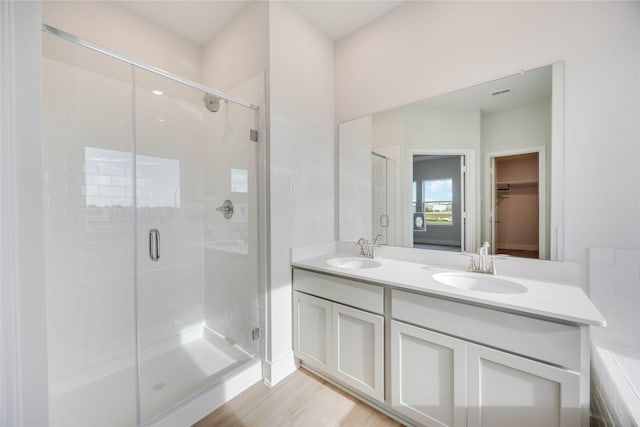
456, 170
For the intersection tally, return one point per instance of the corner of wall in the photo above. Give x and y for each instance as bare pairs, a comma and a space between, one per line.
301, 159
23, 381
274, 372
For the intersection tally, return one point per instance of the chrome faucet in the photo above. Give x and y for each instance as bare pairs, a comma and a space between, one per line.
367, 248
482, 266
483, 252
375, 245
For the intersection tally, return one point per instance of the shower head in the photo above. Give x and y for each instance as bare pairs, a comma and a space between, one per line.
212, 102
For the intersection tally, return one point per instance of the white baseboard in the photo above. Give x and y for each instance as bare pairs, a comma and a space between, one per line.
276, 371
203, 404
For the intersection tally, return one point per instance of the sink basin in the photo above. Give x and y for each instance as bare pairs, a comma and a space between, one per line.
354, 263
480, 283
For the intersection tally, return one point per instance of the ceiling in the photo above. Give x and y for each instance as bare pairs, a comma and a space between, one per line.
198, 21
338, 18
511, 92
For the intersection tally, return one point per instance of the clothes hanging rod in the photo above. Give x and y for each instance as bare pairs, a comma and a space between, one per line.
84, 43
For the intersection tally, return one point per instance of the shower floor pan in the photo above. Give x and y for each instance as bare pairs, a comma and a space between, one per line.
166, 379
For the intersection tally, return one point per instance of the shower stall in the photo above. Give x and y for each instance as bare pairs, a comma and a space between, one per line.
151, 236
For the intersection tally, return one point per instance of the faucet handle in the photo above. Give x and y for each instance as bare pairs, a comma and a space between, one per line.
364, 246
492, 265
484, 250
472, 263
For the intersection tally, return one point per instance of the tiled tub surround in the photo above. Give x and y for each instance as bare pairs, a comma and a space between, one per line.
614, 280
477, 344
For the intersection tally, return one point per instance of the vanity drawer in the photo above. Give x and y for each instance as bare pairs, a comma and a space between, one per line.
552, 342
356, 294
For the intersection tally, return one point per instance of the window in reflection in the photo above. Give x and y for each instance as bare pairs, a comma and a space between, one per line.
414, 189
438, 201
108, 180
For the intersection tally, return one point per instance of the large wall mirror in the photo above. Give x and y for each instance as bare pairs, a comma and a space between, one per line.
450, 172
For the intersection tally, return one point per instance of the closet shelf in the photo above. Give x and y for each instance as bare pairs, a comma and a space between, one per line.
516, 183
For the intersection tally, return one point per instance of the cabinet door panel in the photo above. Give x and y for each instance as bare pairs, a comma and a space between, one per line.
428, 374
312, 331
358, 350
507, 390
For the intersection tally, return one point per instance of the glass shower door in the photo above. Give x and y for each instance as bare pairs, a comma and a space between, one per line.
196, 232
87, 161
380, 219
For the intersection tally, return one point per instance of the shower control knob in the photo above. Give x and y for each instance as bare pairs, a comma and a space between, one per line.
226, 209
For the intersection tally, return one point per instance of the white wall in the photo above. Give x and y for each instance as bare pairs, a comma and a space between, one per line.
355, 186
302, 161
238, 51
442, 128
23, 340
615, 279
524, 127
111, 26
422, 49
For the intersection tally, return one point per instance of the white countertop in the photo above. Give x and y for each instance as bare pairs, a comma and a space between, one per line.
549, 300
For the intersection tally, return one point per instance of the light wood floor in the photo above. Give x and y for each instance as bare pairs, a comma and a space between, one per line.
300, 400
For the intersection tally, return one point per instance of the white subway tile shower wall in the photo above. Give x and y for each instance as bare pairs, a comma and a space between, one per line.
89, 250
90, 267
614, 277
231, 288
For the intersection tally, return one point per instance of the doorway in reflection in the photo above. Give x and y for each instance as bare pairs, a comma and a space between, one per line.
516, 205
437, 199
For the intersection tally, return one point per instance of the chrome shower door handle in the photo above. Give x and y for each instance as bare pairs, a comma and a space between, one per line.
154, 244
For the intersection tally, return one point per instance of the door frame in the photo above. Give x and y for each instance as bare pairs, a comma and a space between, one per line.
468, 190
490, 202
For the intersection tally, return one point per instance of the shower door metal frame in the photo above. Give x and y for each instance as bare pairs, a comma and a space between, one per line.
97, 48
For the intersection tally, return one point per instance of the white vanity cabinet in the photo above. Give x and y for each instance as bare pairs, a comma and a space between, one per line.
428, 378
439, 380
394, 334
312, 331
506, 390
343, 341
358, 350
